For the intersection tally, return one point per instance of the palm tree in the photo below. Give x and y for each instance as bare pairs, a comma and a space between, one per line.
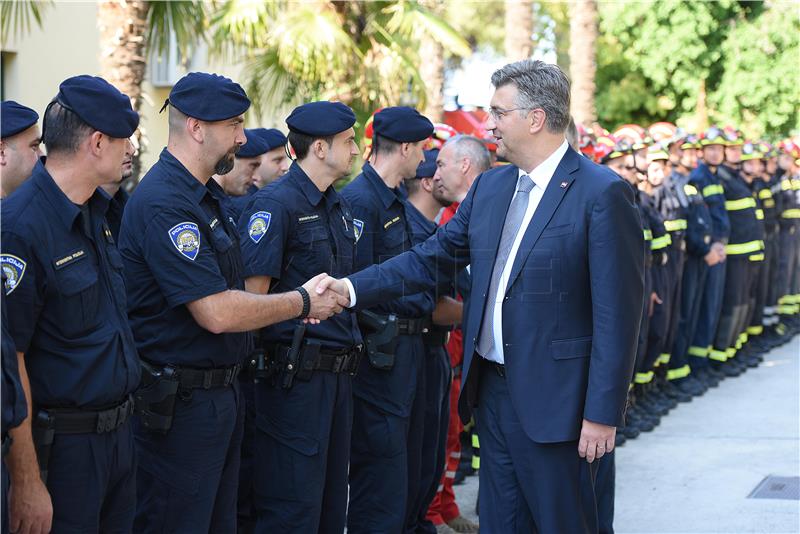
431, 67
365, 54
519, 29
583, 66
16, 17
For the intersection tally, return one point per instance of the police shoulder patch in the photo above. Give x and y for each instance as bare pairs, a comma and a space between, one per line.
358, 228
186, 238
13, 271
258, 225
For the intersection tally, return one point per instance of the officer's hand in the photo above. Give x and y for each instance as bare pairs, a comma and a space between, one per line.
326, 303
334, 284
654, 299
30, 510
596, 440
712, 258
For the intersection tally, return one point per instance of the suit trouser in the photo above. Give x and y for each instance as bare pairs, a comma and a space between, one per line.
693, 281
605, 489
92, 482
708, 317
386, 445
303, 444
437, 417
734, 306
187, 479
527, 486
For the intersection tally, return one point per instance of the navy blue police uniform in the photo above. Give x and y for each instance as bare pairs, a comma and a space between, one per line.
253, 148
116, 207
67, 316
290, 232
388, 415
179, 245
15, 407
436, 376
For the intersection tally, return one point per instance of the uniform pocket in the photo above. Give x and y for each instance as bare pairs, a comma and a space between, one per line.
79, 293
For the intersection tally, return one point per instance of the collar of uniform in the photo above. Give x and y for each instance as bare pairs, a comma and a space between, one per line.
311, 191
387, 196
183, 179
65, 210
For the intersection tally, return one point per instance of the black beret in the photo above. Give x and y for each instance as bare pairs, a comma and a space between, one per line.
402, 124
272, 136
427, 168
255, 145
208, 97
99, 104
16, 118
321, 119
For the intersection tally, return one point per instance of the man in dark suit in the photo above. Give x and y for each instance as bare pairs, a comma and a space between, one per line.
556, 253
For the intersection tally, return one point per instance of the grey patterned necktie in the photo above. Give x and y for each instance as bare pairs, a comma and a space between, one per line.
516, 211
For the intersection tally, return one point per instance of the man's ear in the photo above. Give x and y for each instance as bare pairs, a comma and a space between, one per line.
195, 129
3, 147
319, 148
427, 184
405, 148
536, 119
97, 141
465, 165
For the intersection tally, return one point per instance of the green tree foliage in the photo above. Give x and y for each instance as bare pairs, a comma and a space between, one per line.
655, 56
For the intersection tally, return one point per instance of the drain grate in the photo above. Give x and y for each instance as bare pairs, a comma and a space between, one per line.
774, 487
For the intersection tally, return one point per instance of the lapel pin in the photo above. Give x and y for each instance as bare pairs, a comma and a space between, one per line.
563, 185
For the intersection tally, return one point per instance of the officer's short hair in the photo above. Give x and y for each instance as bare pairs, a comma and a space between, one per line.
63, 130
412, 185
473, 148
540, 85
301, 143
384, 145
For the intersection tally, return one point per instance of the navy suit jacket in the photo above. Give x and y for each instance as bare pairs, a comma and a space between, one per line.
572, 306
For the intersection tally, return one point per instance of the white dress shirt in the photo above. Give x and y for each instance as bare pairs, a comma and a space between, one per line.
541, 176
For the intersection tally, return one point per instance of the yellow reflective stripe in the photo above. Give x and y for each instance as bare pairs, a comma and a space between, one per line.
644, 378
689, 189
743, 248
730, 352
786, 299
793, 213
764, 194
718, 355
786, 185
680, 372
757, 257
664, 358
675, 225
796, 184
781, 328
769, 203
699, 352
755, 330
713, 189
740, 204
759, 214
648, 235
661, 242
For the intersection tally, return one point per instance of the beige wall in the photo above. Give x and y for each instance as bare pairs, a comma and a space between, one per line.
68, 45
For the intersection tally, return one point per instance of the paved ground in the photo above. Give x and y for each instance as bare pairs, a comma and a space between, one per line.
694, 472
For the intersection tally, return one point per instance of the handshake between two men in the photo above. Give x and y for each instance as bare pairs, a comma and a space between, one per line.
328, 296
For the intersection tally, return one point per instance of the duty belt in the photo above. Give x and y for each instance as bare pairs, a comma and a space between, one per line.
411, 327
330, 360
91, 421
218, 377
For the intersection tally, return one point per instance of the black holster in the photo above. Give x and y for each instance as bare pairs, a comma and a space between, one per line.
380, 340
43, 431
155, 398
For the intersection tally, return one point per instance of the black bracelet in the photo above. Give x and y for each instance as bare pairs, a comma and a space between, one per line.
306, 302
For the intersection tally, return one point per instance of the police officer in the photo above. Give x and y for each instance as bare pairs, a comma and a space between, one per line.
388, 416
423, 207
274, 162
119, 197
19, 145
77, 356
190, 314
238, 184
292, 229
704, 179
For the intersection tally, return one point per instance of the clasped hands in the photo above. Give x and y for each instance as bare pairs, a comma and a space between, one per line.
328, 295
